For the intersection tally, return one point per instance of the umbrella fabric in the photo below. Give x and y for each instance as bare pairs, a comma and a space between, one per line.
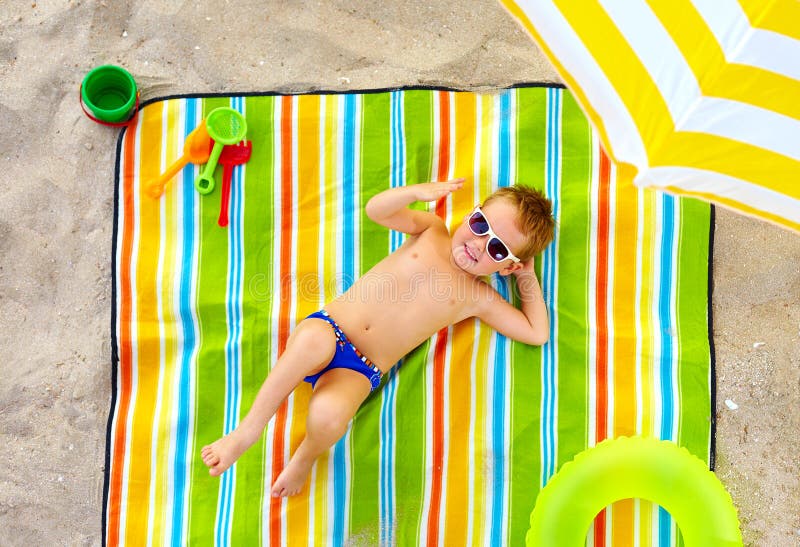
455, 446
694, 97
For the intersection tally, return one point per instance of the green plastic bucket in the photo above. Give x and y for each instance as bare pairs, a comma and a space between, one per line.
109, 93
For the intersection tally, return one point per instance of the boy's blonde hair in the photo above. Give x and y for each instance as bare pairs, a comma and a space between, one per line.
535, 217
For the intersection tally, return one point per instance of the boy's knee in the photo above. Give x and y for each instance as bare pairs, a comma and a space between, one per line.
314, 338
328, 422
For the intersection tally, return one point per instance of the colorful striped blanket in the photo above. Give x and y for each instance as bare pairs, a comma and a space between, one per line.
464, 432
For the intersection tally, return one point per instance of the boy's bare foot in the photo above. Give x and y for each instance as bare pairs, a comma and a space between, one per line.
223, 453
291, 480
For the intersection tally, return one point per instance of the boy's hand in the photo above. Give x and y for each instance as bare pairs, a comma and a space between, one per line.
433, 191
390, 207
527, 282
528, 286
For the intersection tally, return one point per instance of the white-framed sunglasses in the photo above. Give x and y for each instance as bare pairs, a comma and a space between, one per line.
495, 248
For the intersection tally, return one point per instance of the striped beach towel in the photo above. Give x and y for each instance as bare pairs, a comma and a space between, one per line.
464, 432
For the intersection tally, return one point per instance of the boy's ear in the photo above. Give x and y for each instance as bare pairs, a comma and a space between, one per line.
512, 268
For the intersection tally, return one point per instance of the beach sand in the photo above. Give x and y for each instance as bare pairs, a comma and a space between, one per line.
56, 178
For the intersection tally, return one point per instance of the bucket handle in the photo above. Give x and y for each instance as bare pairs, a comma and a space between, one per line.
109, 124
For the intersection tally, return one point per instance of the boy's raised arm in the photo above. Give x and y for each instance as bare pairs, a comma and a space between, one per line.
390, 207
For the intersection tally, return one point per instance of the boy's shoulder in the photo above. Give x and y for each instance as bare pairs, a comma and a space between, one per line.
436, 228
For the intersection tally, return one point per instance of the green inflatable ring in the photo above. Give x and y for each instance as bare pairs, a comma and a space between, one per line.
634, 467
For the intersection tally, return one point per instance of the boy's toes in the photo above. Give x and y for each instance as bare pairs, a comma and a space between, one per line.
209, 458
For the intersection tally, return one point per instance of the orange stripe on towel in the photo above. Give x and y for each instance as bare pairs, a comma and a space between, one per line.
444, 149
440, 351
279, 441
437, 463
601, 303
124, 383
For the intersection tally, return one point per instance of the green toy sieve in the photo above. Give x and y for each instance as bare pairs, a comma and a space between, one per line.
226, 126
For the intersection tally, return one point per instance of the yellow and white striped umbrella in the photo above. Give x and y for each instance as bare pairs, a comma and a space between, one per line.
694, 97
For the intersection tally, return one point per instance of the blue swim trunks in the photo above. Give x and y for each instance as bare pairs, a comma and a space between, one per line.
346, 356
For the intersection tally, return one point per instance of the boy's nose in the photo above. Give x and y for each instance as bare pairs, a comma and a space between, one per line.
480, 242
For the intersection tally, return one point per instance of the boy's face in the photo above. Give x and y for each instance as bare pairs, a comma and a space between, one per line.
469, 250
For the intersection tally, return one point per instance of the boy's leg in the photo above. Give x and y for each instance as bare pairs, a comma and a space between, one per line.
309, 349
336, 398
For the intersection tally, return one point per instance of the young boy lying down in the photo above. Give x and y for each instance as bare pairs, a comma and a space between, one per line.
343, 349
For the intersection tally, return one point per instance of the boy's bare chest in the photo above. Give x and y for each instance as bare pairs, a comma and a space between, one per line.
421, 274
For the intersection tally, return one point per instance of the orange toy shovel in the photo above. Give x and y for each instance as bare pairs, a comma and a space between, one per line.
196, 149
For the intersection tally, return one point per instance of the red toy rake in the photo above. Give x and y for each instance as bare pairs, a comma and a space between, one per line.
232, 155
